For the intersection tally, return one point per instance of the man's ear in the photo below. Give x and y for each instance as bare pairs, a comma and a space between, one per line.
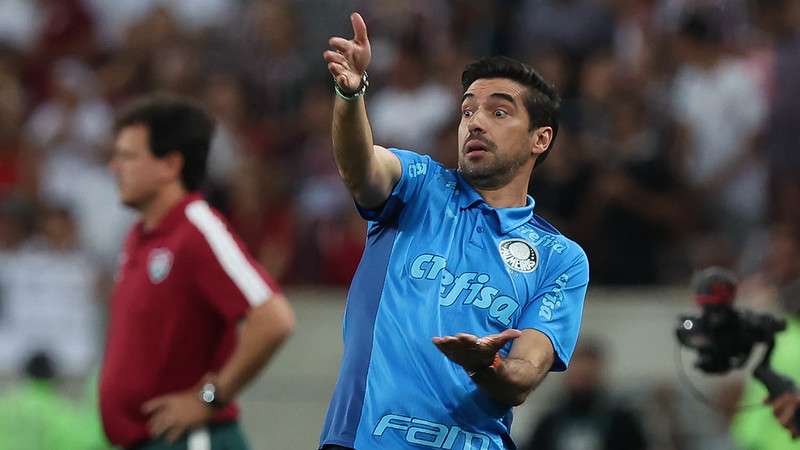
542, 137
174, 161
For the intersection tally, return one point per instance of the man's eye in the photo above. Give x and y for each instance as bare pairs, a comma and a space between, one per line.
500, 113
466, 113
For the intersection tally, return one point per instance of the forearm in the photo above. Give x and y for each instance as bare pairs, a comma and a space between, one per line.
263, 332
352, 142
512, 381
369, 172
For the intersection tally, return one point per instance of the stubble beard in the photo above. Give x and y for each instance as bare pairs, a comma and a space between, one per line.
492, 174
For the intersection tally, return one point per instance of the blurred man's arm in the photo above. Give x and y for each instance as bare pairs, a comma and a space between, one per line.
264, 329
369, 171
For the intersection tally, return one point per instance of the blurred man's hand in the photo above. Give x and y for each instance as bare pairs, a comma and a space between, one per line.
173, 415
785, 410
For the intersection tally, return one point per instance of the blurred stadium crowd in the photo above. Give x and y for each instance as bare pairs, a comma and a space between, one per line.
678, 146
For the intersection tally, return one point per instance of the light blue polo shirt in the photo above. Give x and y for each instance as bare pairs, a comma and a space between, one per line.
440, 261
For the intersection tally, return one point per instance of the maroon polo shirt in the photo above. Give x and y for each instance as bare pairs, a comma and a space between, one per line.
180, 291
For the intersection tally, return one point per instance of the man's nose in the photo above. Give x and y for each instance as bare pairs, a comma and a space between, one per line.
475, 124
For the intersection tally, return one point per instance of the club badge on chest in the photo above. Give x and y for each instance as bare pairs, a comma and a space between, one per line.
159, 264
519, 255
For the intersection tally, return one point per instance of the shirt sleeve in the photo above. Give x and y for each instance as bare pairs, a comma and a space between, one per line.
416, 170
227, 276
557, 309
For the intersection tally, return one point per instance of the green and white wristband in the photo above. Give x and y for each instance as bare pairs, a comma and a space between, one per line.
359, 93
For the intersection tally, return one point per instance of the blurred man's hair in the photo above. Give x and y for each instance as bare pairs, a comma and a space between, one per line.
174, 124
40, 366
592, 348
542, 100
700, 25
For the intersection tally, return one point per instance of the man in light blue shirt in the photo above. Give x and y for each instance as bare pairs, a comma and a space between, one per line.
464, 298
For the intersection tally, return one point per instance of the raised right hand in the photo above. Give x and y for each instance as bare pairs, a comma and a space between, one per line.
348, 59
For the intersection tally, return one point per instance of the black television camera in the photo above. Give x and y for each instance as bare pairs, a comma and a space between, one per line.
724, 337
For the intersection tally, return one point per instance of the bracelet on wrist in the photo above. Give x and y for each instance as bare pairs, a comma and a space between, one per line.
496, 362
362, 89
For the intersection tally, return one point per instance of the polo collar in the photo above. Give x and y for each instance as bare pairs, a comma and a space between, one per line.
505, 219
174, 217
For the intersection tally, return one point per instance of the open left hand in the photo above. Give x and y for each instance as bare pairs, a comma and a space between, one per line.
174, 414
471, 352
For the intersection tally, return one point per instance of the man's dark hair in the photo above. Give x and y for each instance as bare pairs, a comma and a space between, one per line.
40, 366
592, 348
701, 26
175, 124
542, 100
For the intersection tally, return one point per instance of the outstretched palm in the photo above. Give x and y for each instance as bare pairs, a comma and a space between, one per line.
472, 352
348, 59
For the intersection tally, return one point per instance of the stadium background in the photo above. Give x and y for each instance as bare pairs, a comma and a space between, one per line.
677, 150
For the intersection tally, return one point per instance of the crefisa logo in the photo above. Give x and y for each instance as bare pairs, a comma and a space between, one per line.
519, 255
159, 264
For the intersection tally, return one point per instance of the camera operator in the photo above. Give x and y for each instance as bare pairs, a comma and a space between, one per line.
758, 429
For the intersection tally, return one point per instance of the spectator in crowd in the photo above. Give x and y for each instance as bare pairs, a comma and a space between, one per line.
263, 42
195, 16
264, 219
49, 295
560, 189
633, 205
779, 20
236, 136
720, 108
411, 109
75, 120
17, 217
588, 417
17, 164
71, 129
36, 417
574, 28
758, 429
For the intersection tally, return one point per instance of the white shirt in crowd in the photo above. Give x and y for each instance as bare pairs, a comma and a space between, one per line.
722, 108
49, 304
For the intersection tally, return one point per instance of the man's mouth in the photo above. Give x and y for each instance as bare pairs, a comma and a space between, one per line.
475, 147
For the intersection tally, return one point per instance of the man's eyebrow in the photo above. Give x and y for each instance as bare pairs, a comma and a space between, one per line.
503, 96
499, 95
